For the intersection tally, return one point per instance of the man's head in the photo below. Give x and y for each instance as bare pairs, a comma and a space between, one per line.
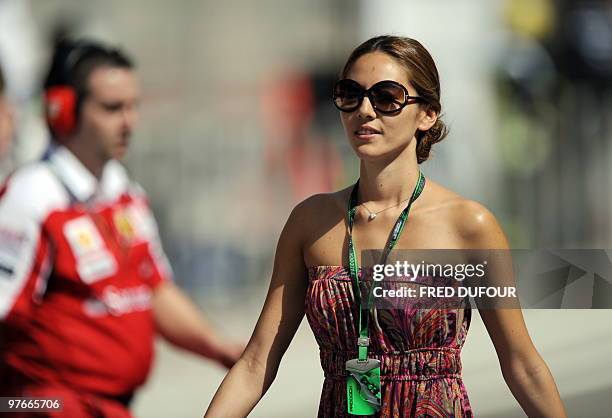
92, 94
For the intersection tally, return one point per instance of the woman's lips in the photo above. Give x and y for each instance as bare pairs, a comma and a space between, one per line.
366, 133
365, 137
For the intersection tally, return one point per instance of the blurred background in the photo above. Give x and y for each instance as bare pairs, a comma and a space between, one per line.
237, 126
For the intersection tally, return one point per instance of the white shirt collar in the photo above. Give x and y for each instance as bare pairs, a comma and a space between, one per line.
82, 183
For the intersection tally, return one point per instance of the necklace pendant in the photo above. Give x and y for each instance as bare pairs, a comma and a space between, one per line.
371, 216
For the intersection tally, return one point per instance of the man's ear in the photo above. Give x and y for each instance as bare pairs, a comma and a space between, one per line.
427, 119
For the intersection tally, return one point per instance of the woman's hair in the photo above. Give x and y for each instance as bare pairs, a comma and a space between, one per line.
423, 75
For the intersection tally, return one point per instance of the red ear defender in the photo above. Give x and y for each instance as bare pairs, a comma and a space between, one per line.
60, 104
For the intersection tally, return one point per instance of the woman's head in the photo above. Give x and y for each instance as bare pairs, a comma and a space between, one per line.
375, 129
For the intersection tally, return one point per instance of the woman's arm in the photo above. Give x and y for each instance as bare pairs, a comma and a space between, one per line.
524, 370
281, 315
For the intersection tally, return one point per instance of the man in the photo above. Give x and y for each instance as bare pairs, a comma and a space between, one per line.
84, 283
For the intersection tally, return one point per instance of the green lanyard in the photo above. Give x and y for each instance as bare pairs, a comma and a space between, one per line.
364, 340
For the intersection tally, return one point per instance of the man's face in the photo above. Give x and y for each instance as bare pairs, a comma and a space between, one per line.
109, 111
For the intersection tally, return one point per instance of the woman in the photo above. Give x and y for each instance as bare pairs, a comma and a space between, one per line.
389, 98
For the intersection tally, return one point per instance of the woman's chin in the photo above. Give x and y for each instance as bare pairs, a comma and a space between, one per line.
377, 153
370, 152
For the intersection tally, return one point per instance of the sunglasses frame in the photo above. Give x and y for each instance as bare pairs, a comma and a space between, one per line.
368, 92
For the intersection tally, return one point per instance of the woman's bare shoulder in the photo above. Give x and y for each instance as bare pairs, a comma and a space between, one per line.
320, 212
319, 205
472, 221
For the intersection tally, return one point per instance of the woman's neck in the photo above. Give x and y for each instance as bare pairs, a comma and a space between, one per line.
388, 183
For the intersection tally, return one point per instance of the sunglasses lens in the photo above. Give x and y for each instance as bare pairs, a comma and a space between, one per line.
388, 96
347, 95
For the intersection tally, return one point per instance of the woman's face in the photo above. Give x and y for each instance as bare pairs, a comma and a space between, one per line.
372, 134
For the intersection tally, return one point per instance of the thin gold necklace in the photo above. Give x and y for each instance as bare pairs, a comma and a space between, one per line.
372, 215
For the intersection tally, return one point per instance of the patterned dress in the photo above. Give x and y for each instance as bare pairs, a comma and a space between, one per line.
419, 350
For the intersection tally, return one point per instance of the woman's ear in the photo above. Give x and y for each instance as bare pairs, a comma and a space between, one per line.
427, 119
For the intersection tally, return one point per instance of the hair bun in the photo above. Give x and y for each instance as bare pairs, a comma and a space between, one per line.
426, 139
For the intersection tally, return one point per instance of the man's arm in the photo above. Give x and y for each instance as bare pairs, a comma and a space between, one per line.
25, 248
180, 322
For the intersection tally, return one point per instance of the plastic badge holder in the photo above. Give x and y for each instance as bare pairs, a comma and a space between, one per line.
363, 386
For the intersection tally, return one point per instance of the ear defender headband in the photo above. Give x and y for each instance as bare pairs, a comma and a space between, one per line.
61, 97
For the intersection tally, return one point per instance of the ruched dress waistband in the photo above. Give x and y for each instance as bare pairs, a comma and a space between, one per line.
415, 364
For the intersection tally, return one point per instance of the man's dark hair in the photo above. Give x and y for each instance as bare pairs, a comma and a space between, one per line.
74, 61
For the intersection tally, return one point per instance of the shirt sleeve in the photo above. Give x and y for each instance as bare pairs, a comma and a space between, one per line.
145, 223
24, 258
163, 269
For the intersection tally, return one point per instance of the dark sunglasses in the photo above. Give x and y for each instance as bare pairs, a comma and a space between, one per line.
387, 97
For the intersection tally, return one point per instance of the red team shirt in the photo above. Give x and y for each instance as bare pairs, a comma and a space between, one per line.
79, 260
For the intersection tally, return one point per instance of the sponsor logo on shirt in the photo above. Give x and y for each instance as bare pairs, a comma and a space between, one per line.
11, 241
119, 301
83, 236
93, 260
12, 244
124, 225
133, 223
